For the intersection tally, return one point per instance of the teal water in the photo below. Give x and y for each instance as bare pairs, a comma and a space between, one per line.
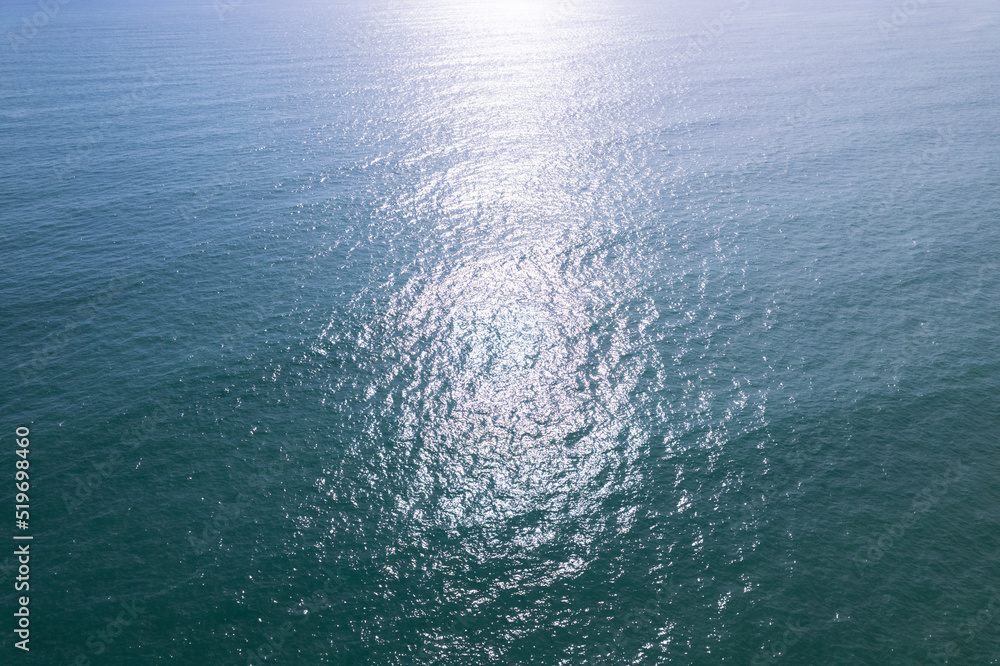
503, 333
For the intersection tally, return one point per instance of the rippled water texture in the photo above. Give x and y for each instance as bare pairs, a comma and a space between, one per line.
505, 333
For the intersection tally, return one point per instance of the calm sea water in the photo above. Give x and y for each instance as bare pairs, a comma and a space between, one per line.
503, 332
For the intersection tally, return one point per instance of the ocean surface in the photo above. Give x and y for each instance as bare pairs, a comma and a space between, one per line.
547, 332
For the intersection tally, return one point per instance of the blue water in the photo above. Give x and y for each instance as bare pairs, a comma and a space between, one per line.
524, 332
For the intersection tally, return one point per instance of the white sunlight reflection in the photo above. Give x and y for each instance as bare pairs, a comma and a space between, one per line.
511, 13
511, 335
